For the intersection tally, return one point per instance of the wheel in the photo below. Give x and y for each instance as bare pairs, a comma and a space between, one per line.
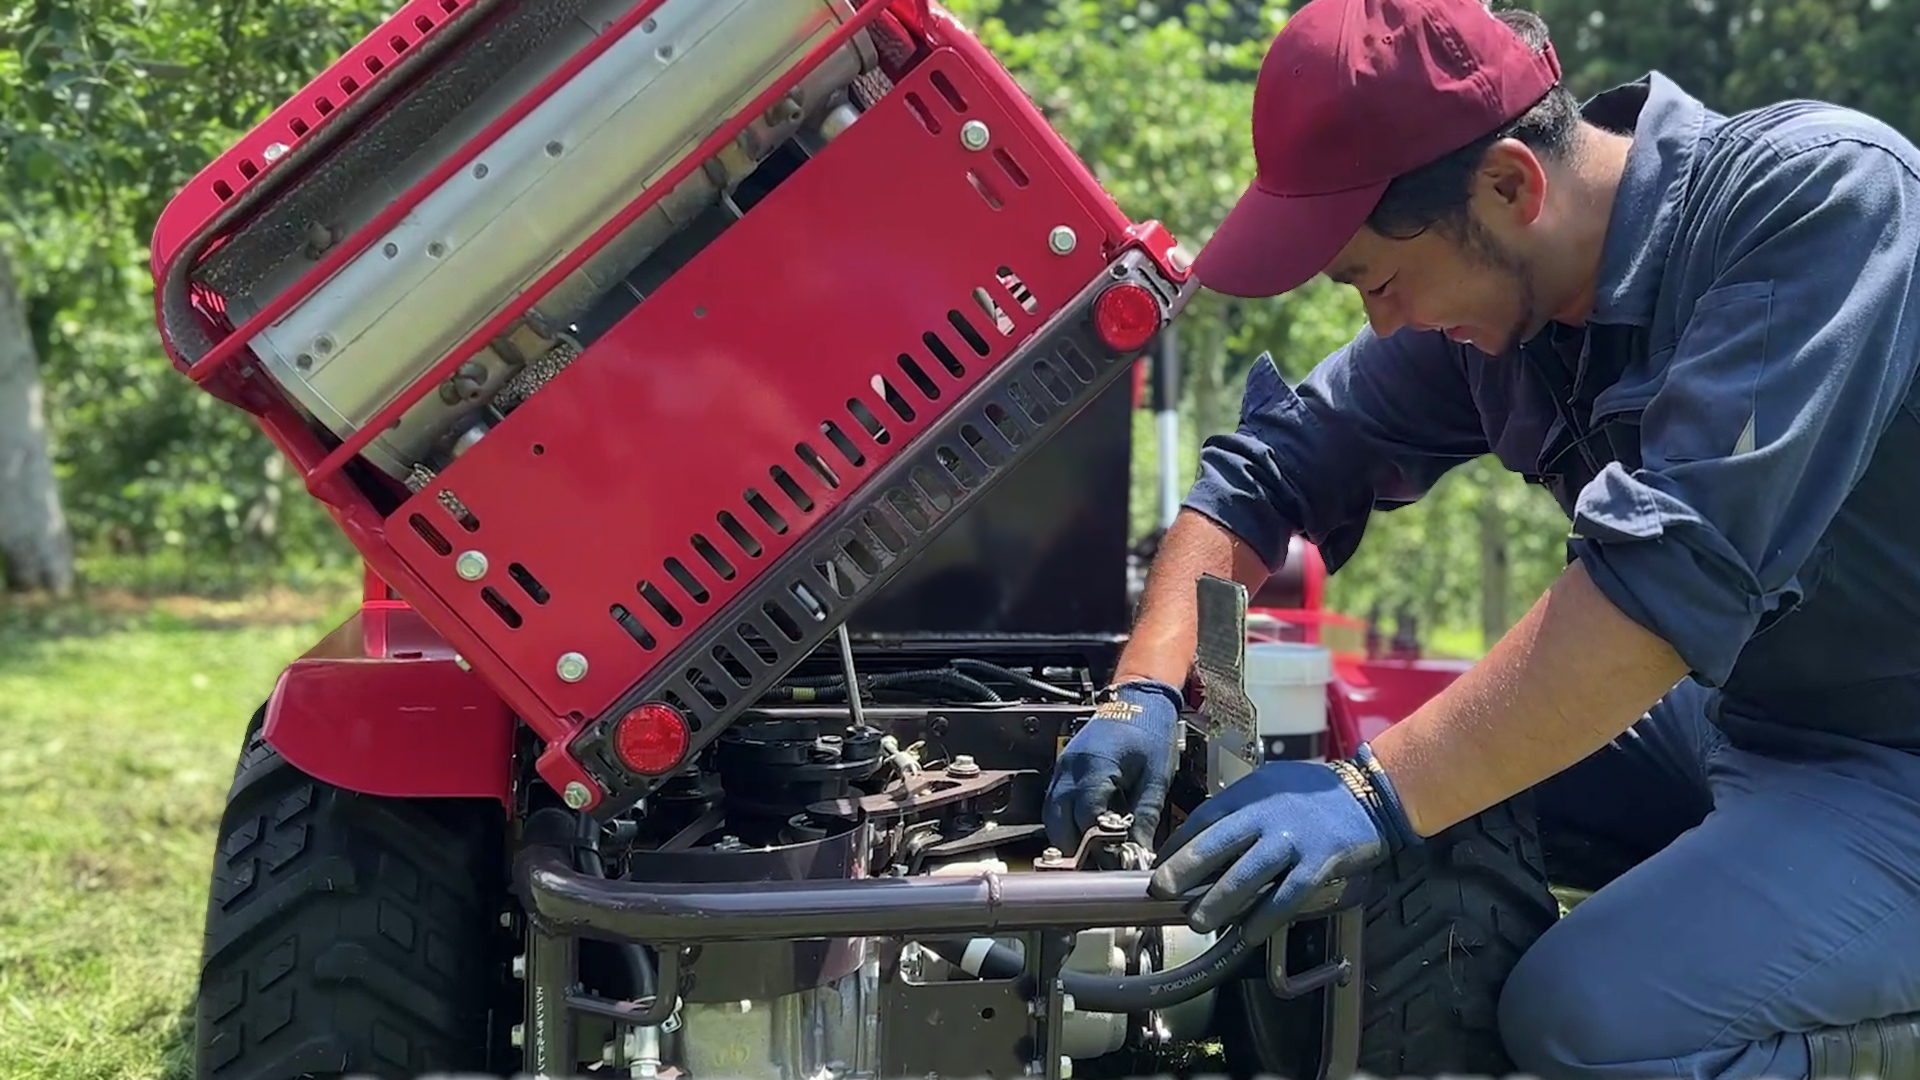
348, 934
1445, 924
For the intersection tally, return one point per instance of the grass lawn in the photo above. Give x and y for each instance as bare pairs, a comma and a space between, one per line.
119, 724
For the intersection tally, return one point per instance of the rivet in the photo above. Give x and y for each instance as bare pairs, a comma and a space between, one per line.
577, 795
973, 135
1061, 240
471, 565
572, 667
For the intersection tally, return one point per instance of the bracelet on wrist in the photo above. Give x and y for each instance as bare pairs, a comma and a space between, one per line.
1370, 784
1108, 706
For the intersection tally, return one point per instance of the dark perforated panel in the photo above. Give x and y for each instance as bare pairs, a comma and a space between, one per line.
744, 650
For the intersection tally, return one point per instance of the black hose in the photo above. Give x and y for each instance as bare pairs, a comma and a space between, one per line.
943, 677
633, 956
982, 667
1161, 989
997, 962
1130, 993
832, 689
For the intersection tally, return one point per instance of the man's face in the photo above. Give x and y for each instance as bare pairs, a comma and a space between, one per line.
1473, 276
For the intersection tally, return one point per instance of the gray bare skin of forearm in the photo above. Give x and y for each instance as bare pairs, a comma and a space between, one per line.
1162, 643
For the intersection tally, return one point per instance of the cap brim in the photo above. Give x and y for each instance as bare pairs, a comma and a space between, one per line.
1271, 244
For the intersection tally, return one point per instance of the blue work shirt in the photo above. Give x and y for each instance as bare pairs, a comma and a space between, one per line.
1734, 432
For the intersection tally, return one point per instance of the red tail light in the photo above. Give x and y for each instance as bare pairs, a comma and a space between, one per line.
651, 739
1126, 316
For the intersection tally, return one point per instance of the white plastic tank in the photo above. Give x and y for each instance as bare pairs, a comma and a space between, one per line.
1286, 681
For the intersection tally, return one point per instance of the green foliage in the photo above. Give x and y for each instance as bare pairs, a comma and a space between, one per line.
1156, 99
107, 108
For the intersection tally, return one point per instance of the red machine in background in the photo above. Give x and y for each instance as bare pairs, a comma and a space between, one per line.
727, 398
1375, 684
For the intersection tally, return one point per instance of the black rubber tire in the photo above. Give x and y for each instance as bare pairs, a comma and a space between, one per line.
1445, 924
348, 934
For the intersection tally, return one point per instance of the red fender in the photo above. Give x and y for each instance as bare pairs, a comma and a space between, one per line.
382, 706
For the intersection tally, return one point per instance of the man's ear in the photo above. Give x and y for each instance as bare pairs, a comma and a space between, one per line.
1512, 181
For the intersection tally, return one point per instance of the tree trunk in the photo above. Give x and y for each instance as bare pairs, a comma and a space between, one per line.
1494, 573
34, 543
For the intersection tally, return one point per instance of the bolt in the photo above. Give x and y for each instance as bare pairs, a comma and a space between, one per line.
276, 151
973, 135
963, 765
1052, 853
520, 966
471, 565
577, 795
1061, 240
461, 662
572, 667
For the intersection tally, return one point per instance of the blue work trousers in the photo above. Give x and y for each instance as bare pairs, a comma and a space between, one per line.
1776, 896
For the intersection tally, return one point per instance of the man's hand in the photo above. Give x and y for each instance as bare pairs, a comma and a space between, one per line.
1296, 823
1127, 750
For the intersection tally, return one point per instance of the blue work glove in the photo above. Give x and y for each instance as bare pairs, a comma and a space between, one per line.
1297, 823
1126, 749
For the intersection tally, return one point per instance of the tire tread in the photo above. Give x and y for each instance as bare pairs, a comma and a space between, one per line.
345, 933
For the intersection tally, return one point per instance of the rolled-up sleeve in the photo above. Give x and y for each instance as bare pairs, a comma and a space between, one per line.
1788, 370
1375, 424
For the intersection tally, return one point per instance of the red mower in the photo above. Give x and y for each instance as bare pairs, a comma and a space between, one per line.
729, 401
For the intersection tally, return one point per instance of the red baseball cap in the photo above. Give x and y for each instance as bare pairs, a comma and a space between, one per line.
1352, 94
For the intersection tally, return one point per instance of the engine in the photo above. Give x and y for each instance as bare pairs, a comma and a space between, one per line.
941, 774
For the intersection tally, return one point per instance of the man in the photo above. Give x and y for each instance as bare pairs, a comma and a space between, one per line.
1700, 333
